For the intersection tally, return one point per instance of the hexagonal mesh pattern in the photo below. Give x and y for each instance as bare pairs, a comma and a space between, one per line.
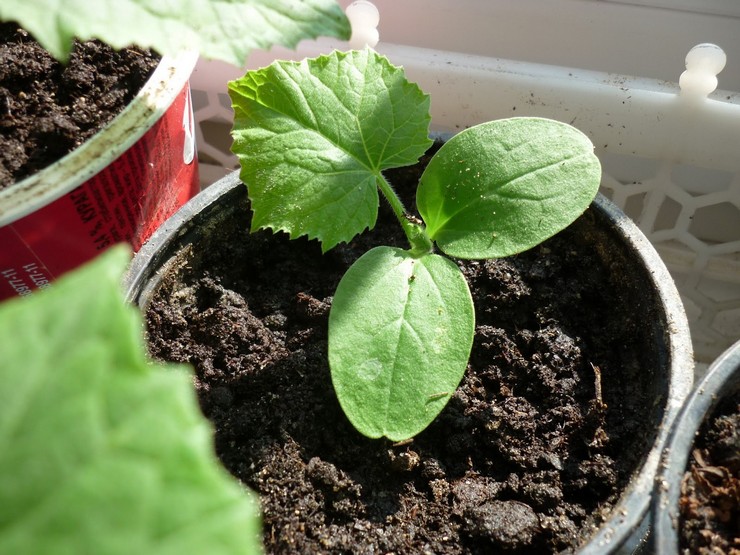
692, 217
213, 115
691, 213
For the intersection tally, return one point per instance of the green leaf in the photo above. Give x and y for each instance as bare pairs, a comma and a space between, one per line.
314, 136
502, 187
102, 451
222, 29
400, 333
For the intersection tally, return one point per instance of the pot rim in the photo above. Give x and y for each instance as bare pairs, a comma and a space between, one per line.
37, 190
628, 524
631, 514
722, 379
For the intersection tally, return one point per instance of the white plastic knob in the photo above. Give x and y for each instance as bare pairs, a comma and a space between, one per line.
364, 17
703, 63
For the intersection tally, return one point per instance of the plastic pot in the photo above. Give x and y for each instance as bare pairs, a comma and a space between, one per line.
652, 294
118, 186
721, 381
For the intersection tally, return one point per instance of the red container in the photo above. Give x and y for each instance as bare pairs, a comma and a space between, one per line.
118, 186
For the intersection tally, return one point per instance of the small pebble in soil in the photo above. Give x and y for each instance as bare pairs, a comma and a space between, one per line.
511, 524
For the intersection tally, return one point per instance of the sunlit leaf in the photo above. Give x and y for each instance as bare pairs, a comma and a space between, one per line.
502, 187
220, 29
400, 333
314, 136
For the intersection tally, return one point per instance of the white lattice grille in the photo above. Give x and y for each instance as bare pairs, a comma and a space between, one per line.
213, 116
692, 217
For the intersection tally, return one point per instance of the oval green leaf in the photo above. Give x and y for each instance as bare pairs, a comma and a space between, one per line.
314, 136
502, 187
400, 333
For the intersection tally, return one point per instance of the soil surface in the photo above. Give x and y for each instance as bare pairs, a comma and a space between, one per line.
48, 109
529, 456
710, 490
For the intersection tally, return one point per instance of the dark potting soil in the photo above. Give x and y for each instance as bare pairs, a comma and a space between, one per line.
48, 109
534, 448
710, 490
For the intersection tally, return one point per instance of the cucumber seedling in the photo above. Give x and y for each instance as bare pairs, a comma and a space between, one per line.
314, 138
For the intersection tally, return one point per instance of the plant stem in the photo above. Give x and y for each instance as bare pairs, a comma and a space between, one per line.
415, 232
392, 198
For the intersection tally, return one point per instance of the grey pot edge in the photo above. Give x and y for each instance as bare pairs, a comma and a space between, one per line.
633, 512
722, 379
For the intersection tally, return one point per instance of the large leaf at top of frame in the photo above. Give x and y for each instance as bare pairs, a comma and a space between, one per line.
219, 29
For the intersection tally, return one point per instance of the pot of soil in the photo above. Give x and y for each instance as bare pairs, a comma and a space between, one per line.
94, 152
697, 500
580, 361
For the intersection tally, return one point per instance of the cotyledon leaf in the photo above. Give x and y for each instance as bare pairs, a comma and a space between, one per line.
400, 333
502, 187
314, 136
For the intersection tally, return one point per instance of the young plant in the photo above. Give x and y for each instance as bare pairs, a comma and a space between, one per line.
218, 29
314, 138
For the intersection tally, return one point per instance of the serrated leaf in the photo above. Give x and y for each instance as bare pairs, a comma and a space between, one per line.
220, 29
102, 451
502, 187
314, 136
397, 365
